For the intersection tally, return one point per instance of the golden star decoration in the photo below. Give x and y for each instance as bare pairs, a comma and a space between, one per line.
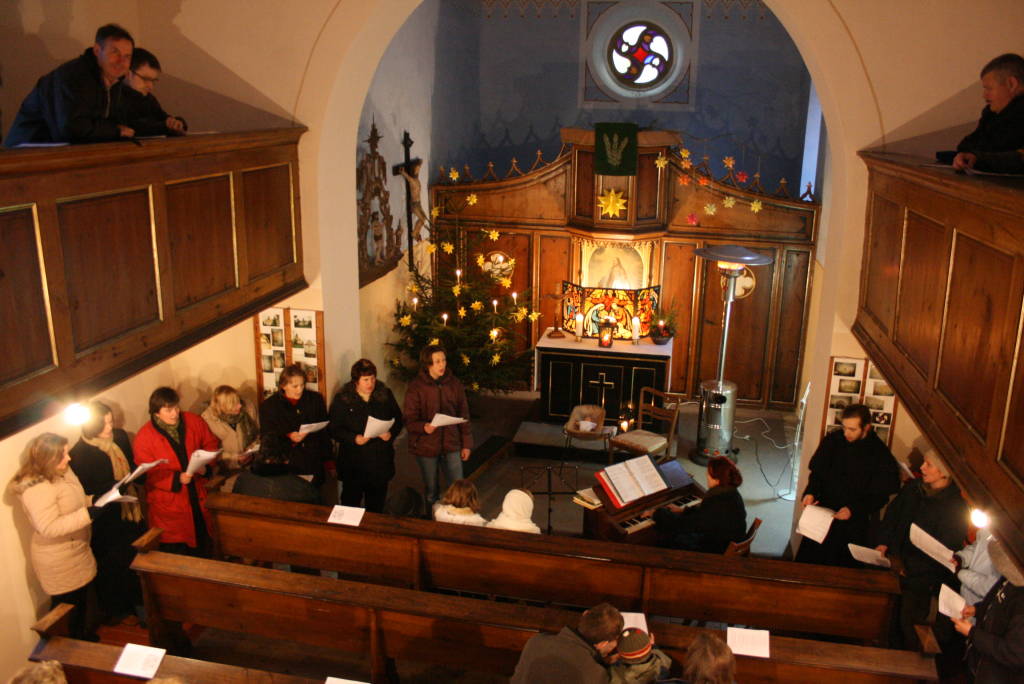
534, 316
471, 199
434, 340
475, 386
431, 247
492, 235
462, 312
453, 174
729, 162
612, 203
435, 212
477, 305
480, 260
405, 320
506, 282
710, 209
456, 289
702, 181
496, 359
729, 202
756, 206
687, 164
684, 153
465, 360
412, 287
447, 247
661, 162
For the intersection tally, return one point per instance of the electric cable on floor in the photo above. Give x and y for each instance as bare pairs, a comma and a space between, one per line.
757, 453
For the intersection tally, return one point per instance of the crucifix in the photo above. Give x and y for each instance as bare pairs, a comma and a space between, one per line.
409, 170
603, 383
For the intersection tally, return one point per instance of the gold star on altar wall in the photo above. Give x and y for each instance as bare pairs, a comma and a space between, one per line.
611, 203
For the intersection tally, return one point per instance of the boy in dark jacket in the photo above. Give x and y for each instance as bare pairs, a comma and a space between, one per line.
141, 109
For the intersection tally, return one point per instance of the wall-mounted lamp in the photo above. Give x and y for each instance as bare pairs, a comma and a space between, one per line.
76, 414
979, 518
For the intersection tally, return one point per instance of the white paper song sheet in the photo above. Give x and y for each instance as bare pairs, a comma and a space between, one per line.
199, 459
339, 680
637, 620
139, 661
815, 522
932, 546
307, 428
869, 556
442, 420
375, 427
748, 642
951, 603
113, 496
141, 470
624, 483
346, 515
646, 474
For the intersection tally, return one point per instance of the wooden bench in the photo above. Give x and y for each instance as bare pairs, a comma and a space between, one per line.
86, 662
389, 623
421, 554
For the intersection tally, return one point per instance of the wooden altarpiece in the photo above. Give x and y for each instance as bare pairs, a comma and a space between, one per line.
551, 222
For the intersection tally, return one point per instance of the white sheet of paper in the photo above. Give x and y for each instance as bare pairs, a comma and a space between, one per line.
346, 515
442, 420
339, 680
906, 469
375, 427
638, 620
200, 458
815, 522
646, 474
870, 556
141, 470
951, 603
307, 428
139, 661
623, 482
749, 642
254, 449
113, 496
587, 426
932, 546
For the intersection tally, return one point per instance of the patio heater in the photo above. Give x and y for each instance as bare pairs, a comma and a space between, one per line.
718, 397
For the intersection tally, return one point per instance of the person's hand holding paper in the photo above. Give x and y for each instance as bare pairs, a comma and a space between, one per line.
815, 522
442, 420
199, 459
375, 427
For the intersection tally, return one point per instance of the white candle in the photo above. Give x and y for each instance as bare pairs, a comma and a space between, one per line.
415, 302
624, 425
494, 303
494, 334
579, 325
444, 318
458, 275
636, 328
515, 299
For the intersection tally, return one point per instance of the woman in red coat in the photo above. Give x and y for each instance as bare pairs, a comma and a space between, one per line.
176, 499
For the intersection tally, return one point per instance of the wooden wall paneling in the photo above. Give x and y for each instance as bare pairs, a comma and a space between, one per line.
202, 243
747, 355
241, 234
882, 259
678, 290
267, 196
1011, 449
922, 289
647, 188
976, 344
107, 242
584, 182
25, 335
553, 265
517, 246
794, 285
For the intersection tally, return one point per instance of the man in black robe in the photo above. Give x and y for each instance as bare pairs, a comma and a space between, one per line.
852, 473
997, 144
79, 101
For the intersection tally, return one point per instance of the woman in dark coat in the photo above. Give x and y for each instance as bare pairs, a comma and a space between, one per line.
719, 519
935, 505
283, 449
366, 464
102, 457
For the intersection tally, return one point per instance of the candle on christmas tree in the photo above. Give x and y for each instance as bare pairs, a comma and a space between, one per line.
515, 299
444, 319
494, 303
415, 303
494, 334
458, 275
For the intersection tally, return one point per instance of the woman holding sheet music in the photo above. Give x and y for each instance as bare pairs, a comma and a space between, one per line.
934, 504
176, 498
720, 518
367, 463
101, 458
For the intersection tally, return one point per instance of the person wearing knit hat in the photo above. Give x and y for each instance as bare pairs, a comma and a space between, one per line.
995, 644
639, 662
516, 513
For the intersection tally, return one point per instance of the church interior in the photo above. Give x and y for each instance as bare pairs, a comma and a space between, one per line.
381, 176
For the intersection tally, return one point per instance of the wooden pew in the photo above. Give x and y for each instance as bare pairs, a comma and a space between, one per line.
422, 554
389, 623
85, 662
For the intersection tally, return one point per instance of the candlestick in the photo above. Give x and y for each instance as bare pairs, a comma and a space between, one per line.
579, 326
636, 330
444, 318
458, 275
494, 303
415, 303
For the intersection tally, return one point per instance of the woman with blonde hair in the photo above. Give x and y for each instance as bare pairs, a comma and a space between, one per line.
709, 660
230, 420
460, 505
61, 516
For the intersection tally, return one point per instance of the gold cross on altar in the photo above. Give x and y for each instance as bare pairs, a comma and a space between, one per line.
603, 383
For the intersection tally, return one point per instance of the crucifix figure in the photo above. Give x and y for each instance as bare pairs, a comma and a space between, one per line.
603, 383
409, 170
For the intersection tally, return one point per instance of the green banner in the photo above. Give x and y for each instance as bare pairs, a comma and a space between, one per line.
615, 149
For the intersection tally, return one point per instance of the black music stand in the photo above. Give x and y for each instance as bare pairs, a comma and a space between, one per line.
538, 472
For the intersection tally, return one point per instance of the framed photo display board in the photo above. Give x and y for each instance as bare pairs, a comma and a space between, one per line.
858, 381
285, 336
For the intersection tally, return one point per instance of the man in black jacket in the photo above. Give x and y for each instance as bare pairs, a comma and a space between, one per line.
79, 101
997, 144
142, 111
852, 473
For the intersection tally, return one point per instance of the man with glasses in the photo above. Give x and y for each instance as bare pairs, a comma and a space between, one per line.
79, 101
142, 111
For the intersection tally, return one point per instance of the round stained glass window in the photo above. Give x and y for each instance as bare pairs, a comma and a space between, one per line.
640, 55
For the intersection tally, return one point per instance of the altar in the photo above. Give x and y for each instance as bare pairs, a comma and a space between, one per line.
568, 373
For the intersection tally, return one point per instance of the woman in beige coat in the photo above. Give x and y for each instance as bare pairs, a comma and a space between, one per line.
61, 516
229, 419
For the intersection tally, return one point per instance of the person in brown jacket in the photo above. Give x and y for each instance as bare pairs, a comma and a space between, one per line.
436, 390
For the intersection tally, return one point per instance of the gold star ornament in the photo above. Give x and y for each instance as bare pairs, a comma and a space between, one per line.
661, 162
612, 203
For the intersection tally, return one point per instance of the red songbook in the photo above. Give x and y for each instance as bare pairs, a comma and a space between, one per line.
613, 496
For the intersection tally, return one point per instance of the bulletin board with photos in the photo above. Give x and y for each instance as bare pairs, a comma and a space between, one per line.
859, 381
285, 336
